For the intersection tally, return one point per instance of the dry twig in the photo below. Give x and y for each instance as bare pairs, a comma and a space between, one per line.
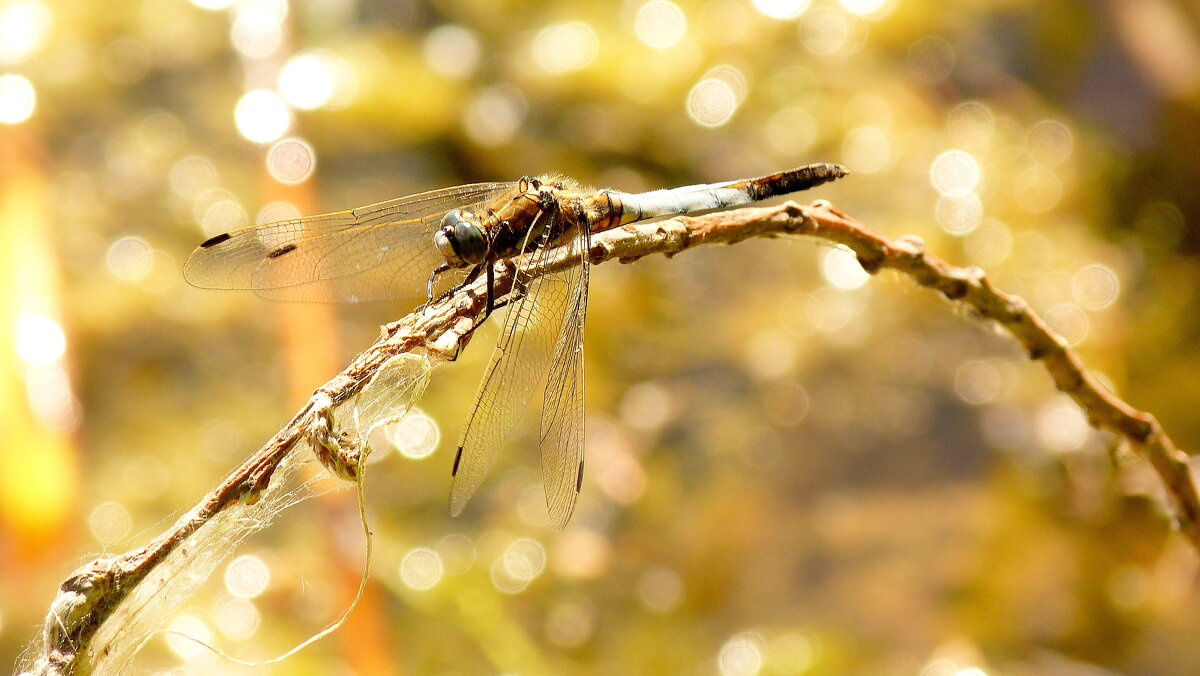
92, 593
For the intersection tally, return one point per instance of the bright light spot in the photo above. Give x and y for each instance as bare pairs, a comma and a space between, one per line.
24, 27
523, 561
247, 576
841, 268
346, 83
416, 435
826, 32
17, 99
262, 116
622, 478
110, 522
742, 655
421, 568
971, 671
221, 215
958, 214
1038, 190
1050, 142
732, 76
931, 59
829, 309
213, 4
130, 258
711, 102
569, 625
938, 667
48, 389
291, 161
660, 24
192, 176
236, 618
277, 211
1068, 321
781, 9
581, 554
660, 589
1061, 426
872, 8
646, 406
867, 150
989, 244
970, 124
187, 635
256, 32
493, 116
453, 51
791, 131
40, 340
977, 382
565, 47
306, 81
954, 172
1095, 286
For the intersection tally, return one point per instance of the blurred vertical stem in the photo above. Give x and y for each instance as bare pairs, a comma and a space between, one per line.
40, 479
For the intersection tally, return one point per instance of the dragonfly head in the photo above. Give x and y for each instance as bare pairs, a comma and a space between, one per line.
461, 240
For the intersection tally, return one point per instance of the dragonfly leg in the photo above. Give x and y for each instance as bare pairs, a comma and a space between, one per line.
473, 274
444, 267
491, 291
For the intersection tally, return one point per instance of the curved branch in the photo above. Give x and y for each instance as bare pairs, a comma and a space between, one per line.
92, 593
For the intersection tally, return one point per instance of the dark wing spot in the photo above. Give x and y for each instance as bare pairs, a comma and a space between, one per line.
285, 249
457, 457
213, 241
579, 478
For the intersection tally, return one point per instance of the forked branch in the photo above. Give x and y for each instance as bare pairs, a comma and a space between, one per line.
91, 594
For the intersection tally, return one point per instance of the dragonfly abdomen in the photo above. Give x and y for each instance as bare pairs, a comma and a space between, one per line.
700, 198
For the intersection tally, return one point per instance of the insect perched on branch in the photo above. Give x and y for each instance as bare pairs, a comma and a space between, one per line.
401, 248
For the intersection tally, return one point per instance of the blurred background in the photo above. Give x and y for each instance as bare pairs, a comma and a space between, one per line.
792, 469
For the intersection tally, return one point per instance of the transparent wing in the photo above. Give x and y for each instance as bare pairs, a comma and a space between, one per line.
518, 368
562, 407
375, 252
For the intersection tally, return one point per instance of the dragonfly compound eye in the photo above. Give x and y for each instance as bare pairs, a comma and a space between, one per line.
461, 239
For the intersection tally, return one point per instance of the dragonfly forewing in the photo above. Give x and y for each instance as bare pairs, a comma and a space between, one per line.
376, 252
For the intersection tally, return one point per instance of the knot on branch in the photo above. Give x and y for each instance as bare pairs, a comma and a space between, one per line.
75, 611
332, 446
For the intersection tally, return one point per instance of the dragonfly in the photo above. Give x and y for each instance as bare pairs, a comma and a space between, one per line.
401, 248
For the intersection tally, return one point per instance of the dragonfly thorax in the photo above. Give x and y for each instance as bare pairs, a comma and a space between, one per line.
461, 240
